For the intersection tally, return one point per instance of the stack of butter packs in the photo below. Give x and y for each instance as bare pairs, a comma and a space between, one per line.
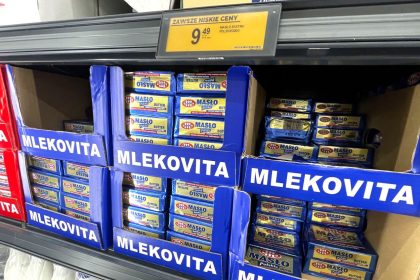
149, 104
62, 186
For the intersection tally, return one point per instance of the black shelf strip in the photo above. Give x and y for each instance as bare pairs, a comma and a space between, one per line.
104, 265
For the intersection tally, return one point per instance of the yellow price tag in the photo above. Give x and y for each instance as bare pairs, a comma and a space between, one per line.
218, 32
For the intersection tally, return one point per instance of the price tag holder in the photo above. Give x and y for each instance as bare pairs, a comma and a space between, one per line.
234, 31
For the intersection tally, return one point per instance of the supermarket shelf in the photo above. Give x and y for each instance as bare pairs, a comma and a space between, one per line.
104, 265
375, 34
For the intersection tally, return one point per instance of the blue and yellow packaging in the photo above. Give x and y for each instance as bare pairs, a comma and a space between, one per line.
45, 193
191, 227
148, 104
198, 144
193, 190
340, 121
291, 115
280, 199
145, 182
44, 179
191, 106
48, 205
150, 140
151, 82
75, 186
339, 246
287, 129
76, 126
274, 260
270, 220
184, 240
148, 200
288, 241
340, 220
353, 155
288, 104
144, 217
192, 208
76, 170
203, 128
45, 164
325, 136
336, 208
149, 126
333, 108
146, 231
282, 209
288, 151
202, 83
337, 271
75, 202
76, 214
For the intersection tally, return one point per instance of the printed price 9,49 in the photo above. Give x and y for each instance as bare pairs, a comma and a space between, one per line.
196, 34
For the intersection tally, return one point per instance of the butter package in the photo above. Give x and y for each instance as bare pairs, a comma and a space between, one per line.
44, 193
146, 231
75, 202
193, 190
78, 126
76, 170
44, 179
205, 128
331, 136
286, 210
359, 156
145, 182
45, 164
339, 220
76, 214
337, 271
282, 128
190, 227
292, 105
340, 246
279, 199
150, 140
144, 217
191, 106
279, 222
288, 151
291, 115
274, 260
76, 187
202, 83
198, 144
192, 208
336, 208
48, 205
184, 240
148, 200
151, 82
287, 241
149, 126
340, 121
333, 108
148, 104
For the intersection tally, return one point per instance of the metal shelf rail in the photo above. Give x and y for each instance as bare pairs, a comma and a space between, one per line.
104, 265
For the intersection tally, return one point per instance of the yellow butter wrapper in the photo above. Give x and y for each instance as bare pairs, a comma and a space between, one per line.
197, 144
153, 82
342, 256
77, 215
76, 170
148, 125
206, 82
361, 155
287, 104
193, 190
348, 122
336, 219
149, 140
189, 243
273, 237
77, 204
136, 103
44, 179
191, 227
77, 188
289, 124
199, 106
336, 270
46, 194
200, 128
145, 182
333, 108
142, 232
288, 151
